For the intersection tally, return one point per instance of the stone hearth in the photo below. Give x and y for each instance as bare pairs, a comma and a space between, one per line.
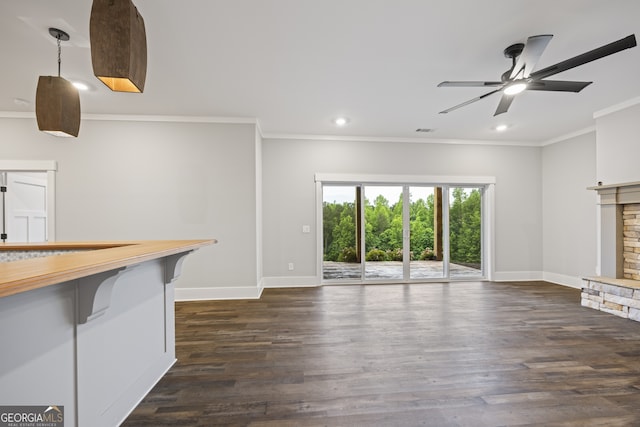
620, 297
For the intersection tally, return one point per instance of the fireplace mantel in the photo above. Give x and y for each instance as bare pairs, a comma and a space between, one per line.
618, 194
611, 200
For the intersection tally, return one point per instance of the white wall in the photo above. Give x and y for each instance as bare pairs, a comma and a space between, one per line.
124, 180
289, 194
618, 146
569, 210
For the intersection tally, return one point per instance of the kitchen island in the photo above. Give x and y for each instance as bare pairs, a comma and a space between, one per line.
87, 326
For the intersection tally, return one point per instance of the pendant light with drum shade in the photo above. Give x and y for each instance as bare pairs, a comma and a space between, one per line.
118, 45
57, 100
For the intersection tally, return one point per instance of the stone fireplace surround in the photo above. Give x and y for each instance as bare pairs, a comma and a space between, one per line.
617, 289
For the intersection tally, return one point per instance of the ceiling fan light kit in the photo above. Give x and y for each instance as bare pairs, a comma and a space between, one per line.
521, 76
515, 88
57, 100
118, 45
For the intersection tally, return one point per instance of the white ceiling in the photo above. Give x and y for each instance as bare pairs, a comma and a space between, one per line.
296, 64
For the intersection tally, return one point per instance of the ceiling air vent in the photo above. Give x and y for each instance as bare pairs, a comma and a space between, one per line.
425, 130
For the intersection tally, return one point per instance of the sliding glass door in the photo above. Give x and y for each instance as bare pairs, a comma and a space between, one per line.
341, 240
401, 233
383, 232
425, 234
465, 232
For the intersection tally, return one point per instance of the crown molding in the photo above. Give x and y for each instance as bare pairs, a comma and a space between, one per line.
397, 139
143, 118
615, 108
567, 136
174, 119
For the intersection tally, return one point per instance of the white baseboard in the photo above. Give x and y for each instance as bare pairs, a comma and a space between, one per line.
561, 279
245, 292
527, 276
517, 276
254, 292
218, 293
291, 282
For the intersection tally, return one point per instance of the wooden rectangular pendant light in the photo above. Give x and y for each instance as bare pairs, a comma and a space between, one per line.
57, 100
57, 106
118, 45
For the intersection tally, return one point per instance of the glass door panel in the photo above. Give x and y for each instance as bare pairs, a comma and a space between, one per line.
426, 227
465, 232
392, 232
341, 232
383, 233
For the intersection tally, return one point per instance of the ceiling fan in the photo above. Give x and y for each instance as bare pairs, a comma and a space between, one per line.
521, 76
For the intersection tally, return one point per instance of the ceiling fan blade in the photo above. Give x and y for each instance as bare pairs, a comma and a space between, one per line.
557, 85
470, 84
478, 98
600, 52
530, 55
505, 103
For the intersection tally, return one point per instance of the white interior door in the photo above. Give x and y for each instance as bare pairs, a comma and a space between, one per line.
26, 207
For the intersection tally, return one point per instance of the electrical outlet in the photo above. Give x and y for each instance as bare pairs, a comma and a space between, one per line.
290, 266
306, 229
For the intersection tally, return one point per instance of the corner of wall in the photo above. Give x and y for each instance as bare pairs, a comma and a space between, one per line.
564, 280
531, 276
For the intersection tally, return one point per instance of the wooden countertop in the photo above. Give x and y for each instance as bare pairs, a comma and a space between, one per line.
25, 275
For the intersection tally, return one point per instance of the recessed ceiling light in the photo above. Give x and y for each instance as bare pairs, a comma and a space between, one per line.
341, 121
501, 128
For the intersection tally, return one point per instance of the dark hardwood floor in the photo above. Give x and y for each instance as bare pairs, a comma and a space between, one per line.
459, 354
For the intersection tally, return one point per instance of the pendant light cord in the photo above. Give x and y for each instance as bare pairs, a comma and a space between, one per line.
59, 54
